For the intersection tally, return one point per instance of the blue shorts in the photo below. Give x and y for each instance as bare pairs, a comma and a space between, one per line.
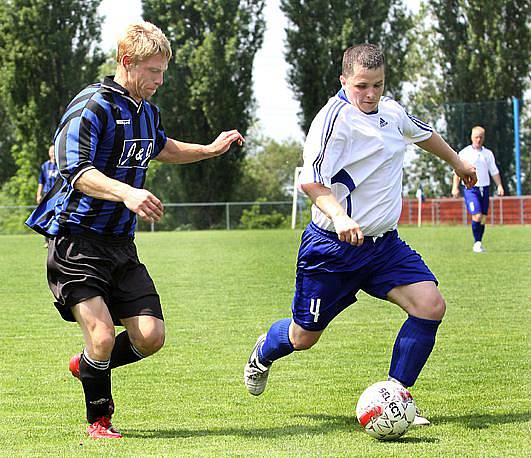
477, 200
330, 273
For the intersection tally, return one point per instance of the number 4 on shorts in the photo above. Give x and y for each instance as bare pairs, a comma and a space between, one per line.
315, 304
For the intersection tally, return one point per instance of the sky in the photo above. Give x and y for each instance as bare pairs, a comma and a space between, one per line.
276, 108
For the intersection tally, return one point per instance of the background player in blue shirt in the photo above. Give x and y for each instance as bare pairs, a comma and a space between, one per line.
47, 177
477, 198
104, 143
353, 160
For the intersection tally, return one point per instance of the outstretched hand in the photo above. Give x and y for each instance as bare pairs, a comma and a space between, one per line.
223, 142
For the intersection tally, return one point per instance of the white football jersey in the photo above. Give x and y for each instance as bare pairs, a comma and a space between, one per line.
360, 158
483, 160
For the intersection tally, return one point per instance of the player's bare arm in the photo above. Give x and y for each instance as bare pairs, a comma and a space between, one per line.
38, 197
497, 179
436, 145
140, 201
177, 152
455, 185
347, 229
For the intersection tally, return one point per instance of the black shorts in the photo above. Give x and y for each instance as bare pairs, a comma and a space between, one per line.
81, 267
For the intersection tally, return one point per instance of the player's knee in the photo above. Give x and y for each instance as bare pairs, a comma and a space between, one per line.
431, 307
304, 341
435, 309
439, 309
102, 343
156, 342
150, 342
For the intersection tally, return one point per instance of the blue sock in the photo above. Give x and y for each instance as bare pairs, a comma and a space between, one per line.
277, 343
476, 230
481, 231
413, 345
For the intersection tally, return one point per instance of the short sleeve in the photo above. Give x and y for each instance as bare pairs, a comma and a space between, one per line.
160, 134
325, 143
414, 129
491, 162
76, 144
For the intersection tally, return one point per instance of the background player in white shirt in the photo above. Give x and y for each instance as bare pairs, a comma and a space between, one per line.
477, 198
353, 159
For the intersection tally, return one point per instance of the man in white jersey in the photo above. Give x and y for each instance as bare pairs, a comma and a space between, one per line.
352, 171
477, 198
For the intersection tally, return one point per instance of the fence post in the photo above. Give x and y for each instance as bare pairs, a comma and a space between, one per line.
516, 115
152, 226
501, 210
227, 215
521, 210
419, 210
296, 174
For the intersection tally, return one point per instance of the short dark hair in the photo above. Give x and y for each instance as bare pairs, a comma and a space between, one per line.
367, 55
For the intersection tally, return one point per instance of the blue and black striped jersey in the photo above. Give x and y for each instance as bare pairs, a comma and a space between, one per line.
48, 176
106, 129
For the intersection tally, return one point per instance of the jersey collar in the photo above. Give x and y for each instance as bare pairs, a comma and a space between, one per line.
341, 94
111, 85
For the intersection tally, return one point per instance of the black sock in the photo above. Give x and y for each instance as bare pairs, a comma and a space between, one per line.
123, 351
96, 380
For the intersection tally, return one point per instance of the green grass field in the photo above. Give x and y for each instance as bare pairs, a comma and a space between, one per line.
220, 290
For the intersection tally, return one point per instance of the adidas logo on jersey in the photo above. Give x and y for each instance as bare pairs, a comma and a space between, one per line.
383, 122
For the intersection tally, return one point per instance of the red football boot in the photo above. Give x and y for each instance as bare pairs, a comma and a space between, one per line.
103, 429
74, 365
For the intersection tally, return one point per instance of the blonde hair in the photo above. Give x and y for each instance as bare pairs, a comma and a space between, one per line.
477, 129
142, 40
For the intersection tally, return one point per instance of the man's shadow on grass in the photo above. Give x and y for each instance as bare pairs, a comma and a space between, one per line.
326, 423
483, 421
321, 424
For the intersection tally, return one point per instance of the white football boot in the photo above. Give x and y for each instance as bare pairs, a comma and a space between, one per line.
478, 247
419, 420
255, 373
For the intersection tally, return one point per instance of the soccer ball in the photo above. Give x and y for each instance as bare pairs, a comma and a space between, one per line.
386, 410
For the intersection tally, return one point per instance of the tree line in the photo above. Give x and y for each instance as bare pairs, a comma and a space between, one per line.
465, 60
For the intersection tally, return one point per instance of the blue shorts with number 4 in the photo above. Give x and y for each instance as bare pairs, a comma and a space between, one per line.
477, 200
330, 273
